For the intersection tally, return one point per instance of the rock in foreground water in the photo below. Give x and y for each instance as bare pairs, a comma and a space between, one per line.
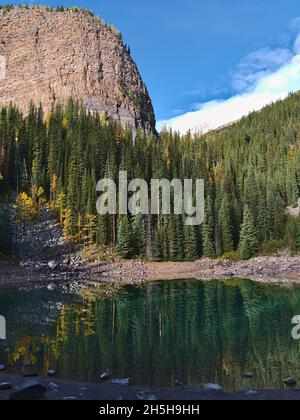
212, 387
123, 382
29, 390
146, 396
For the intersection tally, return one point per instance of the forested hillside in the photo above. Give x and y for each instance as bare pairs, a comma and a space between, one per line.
251, 173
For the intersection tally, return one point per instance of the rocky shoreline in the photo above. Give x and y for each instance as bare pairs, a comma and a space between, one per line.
11, 387
283, 270
46, 259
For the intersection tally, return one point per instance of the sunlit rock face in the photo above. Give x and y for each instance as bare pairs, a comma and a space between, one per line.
52, 56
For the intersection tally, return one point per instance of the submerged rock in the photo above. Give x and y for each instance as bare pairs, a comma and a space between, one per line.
251, 392
248, 375
212, 388
2, 368
145, 396
53, 387
29, 390
123, 382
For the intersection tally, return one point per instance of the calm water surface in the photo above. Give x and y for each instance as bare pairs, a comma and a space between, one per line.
187, 330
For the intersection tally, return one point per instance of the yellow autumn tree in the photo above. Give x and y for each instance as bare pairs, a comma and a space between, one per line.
79, 235
38, 197
65, 122
26, 209
60, 207
53, 187
67, 225
47, 121
89, 230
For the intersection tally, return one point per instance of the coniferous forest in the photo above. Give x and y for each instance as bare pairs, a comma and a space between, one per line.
251, 172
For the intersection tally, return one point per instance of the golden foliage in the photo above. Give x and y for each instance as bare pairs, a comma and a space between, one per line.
26, 209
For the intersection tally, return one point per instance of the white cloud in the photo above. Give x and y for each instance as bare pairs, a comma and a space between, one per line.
263, 77
257, 65
297, 45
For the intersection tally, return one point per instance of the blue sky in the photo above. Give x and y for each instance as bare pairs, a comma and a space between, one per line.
193, 52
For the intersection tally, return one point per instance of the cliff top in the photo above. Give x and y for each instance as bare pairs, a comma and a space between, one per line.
38, 9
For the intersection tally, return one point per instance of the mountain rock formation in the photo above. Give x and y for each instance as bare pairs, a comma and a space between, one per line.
52, 56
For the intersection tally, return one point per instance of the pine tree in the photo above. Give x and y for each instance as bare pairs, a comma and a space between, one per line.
158, 244
254, 162
248, 246
139, 235
102, 237
171, 239
125, 246
279, 218
179, 235
5, 231
262, 218
225, 226
208, 231
292, 187
190, 243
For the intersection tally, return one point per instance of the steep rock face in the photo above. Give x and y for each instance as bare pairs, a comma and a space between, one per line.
53, 56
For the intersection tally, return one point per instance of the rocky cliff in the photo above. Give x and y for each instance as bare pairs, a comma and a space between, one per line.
52, 56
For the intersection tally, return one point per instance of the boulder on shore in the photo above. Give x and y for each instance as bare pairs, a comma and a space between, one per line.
52, 265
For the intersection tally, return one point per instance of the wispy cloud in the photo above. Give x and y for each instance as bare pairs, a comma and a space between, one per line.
262, 77
257, 65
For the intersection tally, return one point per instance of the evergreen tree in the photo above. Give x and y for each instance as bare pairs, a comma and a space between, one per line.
139, 235
248, 246
125, 246
5, 231
208, 231
190, 243
226, 226
158, 244
253, 162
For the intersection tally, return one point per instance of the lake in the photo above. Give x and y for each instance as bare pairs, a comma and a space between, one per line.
192, 331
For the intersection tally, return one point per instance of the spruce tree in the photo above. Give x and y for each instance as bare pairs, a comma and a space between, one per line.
226, 226
5, 231
158, 244
125, 246
139, 235
208, 231
190, 243
248, 246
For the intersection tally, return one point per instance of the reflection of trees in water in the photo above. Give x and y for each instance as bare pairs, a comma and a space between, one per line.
196, 332
271, 349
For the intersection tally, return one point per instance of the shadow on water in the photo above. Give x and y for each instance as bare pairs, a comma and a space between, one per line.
187, 330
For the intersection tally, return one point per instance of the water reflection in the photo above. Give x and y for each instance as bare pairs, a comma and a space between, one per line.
192, 331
